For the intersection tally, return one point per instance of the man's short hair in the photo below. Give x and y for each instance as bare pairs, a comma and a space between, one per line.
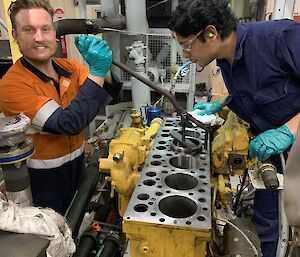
19, 5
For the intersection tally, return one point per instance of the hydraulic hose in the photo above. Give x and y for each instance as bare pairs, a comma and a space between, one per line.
86, 189
84, 26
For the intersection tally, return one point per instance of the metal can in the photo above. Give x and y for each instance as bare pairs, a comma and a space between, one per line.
151, 113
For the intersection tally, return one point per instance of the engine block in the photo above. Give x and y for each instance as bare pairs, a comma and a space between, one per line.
169, 213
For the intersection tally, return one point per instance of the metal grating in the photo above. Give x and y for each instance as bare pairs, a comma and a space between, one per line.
158, 55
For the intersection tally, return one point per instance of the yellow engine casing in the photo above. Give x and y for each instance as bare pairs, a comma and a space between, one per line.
127, 154
229, 153
155, 240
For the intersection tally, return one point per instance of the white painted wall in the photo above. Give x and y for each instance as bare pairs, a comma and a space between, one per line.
3, 32
270, 6
71, 12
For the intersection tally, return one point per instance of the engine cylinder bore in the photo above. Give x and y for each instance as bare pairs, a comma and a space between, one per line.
177, 206
193, 136
181, 181
185, 162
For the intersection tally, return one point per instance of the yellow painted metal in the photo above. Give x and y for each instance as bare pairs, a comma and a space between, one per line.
223, 189
151, 132
136, 117
126, 156
231, 138
16, 54
157, 240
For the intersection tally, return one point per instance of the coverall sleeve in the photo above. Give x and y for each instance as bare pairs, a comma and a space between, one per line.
82, 110
289, 50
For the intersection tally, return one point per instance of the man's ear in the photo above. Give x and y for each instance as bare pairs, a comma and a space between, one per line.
14, 34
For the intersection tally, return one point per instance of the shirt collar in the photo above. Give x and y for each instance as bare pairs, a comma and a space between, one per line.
240, 38
238, 53
61, 71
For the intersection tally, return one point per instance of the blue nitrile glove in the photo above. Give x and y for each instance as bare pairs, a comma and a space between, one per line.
208, 107
272, 141
96, 53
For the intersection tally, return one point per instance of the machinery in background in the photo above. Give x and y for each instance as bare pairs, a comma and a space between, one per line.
15, 148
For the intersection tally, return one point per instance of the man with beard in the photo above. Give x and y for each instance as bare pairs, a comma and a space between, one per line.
60, 96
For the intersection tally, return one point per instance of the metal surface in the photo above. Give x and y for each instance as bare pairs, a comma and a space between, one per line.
169, 212
127, 154
173, 188
22, 245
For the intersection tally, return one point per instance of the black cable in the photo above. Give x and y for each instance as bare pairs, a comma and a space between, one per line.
240, 191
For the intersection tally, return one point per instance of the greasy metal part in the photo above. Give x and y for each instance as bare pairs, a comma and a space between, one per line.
191, 135
127, 154
17, 184
235, 244
284, 232
108, 128
111, 245
268, 173
229, 151
17, 153
15, 147
84, 26
169, 213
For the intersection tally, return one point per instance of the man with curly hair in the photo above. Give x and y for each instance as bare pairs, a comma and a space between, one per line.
260, 65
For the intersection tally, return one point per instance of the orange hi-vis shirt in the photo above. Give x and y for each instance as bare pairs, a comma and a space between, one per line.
25, 90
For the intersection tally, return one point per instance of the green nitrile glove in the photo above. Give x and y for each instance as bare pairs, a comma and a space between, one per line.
272, 141
96, 53
208, 107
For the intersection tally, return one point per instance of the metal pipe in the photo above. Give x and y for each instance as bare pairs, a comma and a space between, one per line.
84, 26
78, 207
136, 16
111, 245
163, 92
87, 243
283, 222
150, 84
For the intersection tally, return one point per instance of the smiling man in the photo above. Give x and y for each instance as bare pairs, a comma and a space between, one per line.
261, 68
60, 96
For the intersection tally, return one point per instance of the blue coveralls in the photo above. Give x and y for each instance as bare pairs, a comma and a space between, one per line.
264, 89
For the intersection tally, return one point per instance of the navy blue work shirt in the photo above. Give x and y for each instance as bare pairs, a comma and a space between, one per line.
264, 79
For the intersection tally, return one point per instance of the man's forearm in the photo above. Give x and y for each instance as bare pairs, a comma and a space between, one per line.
292, 124
98, 80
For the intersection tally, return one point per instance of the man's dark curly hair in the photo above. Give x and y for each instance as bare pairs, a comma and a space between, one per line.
190, 16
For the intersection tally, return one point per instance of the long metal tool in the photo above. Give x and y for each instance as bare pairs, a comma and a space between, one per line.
165, 93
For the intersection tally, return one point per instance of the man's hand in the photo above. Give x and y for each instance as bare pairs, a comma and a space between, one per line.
272, 141
96, 53
208, 107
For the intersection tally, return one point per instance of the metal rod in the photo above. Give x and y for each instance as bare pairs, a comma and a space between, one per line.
150, 84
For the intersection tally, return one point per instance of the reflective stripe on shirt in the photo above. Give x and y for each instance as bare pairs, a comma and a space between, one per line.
56, 162
44, 113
